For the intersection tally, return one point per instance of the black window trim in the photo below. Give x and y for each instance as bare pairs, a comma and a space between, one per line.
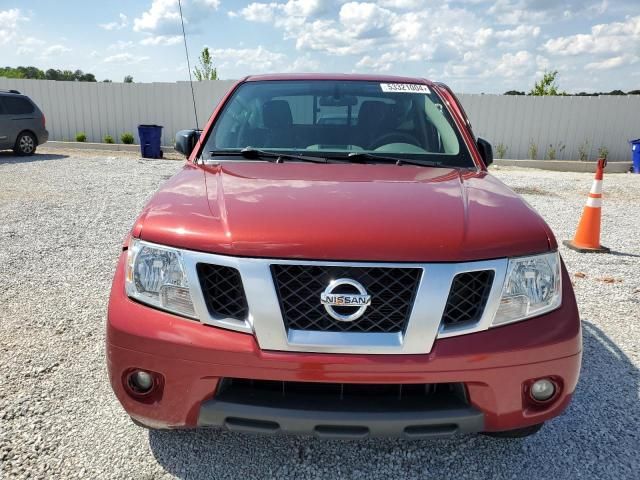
464, 153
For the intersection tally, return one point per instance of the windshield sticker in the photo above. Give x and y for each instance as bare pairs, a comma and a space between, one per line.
404, 88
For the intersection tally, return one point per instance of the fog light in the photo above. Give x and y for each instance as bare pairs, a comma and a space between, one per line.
141, 382
542, 390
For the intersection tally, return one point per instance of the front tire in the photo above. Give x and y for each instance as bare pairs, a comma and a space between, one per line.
26, 144
517, 433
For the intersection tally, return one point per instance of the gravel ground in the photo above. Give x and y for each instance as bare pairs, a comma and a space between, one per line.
64, 215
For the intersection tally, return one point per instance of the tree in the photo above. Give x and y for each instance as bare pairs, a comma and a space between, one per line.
88, 77
50, 74
514, 92
547, 86
9, 72
67, 75
32, 72
106, 80
128, 79
206, 71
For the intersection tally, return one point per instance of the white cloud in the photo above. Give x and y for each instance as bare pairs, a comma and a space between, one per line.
366, 20
164, 40
613, 62
305, 8
361, 27
163, 17
12, 32
54, 51
515, 12
382, 63
259, 59
258, 12
10, 21
610, 38
303, 64
402, 4
125, 59
278, 12
28, 45
509, 41
120, 45
122, 22
527, 12
518, 33
516, 64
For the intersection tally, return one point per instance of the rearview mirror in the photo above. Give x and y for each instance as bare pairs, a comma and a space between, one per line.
486, 151
186, 140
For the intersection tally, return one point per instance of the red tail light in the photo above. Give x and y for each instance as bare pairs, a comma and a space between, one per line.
44, 121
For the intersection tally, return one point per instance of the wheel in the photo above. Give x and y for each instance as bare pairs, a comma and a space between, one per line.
517, 433
25, 144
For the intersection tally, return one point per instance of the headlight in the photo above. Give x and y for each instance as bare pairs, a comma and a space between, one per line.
532, 287
156, 276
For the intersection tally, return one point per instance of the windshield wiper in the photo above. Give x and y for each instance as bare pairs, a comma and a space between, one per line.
360, 156
256, 154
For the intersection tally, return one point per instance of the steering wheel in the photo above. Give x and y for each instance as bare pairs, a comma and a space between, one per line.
395, 137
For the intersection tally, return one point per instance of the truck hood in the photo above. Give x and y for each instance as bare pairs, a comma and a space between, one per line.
343, 212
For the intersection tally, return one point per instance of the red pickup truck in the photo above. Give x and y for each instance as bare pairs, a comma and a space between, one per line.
334, 259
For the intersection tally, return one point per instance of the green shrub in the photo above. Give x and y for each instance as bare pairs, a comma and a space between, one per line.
533, 151
81, 137
603, 152
108, 139
553, 150
501, 150
127, 138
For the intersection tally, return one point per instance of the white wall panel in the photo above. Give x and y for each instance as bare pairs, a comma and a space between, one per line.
99, 109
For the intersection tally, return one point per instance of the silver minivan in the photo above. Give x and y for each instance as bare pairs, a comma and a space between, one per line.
22, 123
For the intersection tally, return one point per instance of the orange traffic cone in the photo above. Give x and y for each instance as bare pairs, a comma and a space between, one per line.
587, 237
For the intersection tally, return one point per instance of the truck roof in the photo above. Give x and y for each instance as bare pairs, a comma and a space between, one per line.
336, 76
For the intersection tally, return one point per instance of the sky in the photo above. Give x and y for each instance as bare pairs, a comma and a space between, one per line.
475, 46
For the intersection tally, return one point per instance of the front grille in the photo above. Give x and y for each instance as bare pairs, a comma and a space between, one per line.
223, 291
392, 291
341, 396
468, 297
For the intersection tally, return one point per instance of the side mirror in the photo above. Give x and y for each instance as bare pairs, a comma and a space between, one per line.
186, 140
486, 151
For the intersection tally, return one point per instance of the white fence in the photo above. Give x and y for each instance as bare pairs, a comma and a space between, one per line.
100, 109
517, 122
587, 122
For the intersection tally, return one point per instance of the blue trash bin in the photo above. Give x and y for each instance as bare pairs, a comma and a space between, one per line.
635, 155
150, 139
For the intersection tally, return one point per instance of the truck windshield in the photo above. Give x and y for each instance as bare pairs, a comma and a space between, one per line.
334, 119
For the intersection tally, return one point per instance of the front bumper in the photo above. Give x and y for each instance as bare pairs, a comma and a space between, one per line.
340, 424
494, 366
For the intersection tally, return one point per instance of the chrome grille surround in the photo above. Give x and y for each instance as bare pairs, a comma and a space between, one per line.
265, 320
